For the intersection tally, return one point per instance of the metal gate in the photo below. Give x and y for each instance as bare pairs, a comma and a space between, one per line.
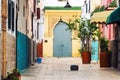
62, 45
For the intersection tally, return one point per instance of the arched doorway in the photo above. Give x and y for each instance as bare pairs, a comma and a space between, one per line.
62, 42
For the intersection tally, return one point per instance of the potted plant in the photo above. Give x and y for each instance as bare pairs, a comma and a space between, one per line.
14, 75
86, 32
105, 53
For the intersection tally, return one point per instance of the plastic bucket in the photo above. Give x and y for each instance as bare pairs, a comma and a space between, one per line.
39, 60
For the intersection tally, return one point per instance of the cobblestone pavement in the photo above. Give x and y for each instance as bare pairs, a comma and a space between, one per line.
59, 69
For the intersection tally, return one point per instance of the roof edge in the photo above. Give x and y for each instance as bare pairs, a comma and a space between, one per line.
62, 8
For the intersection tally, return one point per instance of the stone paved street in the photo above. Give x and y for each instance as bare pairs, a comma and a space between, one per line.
59, 69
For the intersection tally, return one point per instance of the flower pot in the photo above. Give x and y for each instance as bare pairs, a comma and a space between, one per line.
86, 57
19, 77
105, 59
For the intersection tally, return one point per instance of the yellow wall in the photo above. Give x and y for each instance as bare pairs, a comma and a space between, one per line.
94, 4
51, 18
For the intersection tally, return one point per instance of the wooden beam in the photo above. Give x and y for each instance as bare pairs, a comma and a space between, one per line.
4, 16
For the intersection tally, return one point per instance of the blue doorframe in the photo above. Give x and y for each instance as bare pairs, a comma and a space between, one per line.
62, 42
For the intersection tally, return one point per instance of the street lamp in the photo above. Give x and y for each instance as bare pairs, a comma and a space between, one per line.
67, 5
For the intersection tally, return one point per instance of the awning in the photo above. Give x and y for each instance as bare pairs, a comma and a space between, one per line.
100, 16
114, 17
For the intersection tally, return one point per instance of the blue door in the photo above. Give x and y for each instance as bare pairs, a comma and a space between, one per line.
62, 45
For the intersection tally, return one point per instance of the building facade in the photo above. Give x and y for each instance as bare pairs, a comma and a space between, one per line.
54, 16
28, 16
10, 37
54, 35
109, 31
21, 34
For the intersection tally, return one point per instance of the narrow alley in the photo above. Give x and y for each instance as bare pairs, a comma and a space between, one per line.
61, 33
59, 69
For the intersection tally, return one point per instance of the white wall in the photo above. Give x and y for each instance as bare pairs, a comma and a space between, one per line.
62, 3
84, 7
21, 18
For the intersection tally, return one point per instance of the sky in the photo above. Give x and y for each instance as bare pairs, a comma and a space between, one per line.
62, 3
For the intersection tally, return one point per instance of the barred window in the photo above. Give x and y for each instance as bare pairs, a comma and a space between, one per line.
11, 14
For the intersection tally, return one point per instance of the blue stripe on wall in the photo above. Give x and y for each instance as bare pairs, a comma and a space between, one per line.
95, 51
22, 51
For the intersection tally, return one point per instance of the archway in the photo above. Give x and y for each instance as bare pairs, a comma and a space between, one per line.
62, 42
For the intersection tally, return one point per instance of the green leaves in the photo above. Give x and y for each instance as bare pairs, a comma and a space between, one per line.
99, 8
84, 27
103, 44
86, 31
113, 4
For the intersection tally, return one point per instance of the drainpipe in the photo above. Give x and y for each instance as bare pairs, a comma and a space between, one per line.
4, 17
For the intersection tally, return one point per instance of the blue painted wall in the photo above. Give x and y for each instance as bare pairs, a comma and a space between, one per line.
22, 51
94, 51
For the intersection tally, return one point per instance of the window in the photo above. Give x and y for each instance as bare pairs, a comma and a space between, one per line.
34, 8
38, 13
26, 3
18, 4
11, 14
38, 1
13, 6
32, 24
23, 11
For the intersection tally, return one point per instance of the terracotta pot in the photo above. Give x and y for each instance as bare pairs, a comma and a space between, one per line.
105, 59
86, 57
19, 77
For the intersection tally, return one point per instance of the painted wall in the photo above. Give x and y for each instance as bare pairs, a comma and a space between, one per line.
21, 16
22, 31
106, 2
94, 4
28, 17
10, 52
51, 19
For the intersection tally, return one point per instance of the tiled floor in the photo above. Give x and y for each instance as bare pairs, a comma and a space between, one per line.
59, 69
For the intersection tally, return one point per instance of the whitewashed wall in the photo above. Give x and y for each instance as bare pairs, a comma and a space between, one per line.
85, 8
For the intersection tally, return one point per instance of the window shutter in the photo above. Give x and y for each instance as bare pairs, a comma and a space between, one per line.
38, 13
9, 14
12, 16
34, 8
